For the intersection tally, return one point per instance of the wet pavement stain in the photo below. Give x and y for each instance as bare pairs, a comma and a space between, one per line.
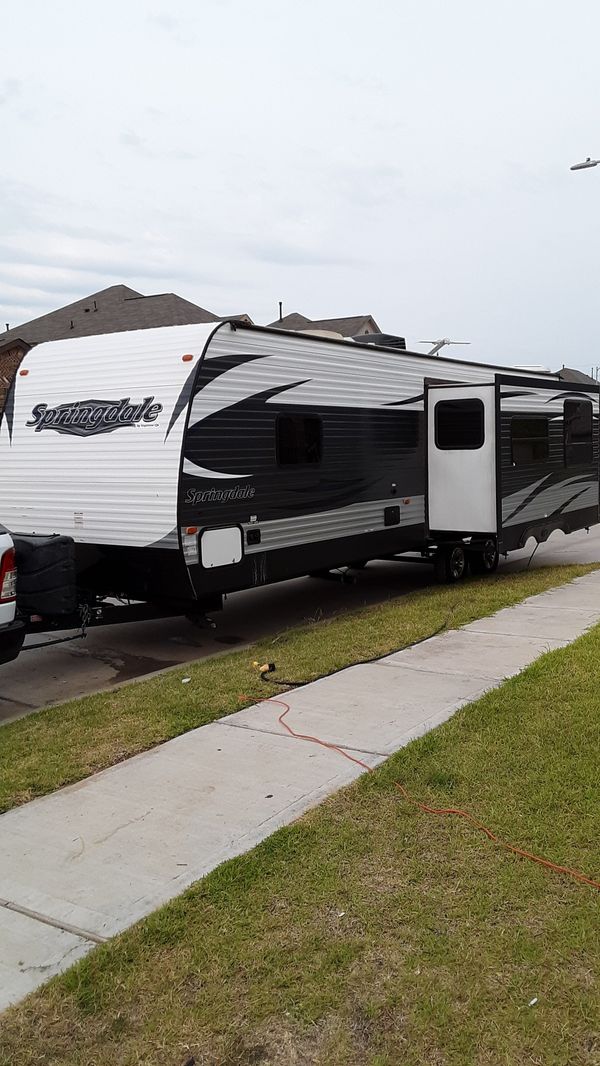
125, 664
185, 642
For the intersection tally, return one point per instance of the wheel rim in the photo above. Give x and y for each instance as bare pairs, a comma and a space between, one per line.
457, 563
489, 554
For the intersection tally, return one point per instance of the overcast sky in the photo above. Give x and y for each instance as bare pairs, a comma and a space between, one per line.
407, 158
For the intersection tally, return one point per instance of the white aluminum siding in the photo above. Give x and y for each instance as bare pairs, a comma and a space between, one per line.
117, 487
327, 374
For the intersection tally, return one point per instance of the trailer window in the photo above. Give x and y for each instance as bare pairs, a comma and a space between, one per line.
528, 441
299, 440
578, 423
459, 424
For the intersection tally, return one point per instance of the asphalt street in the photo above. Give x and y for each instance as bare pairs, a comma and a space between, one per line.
113, 654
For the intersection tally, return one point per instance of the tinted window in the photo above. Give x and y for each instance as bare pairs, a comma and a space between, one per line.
578, 422
298, 440
391, 431
528, 441
459, 424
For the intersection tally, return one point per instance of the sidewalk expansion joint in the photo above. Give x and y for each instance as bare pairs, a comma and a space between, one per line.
418, 669
540, 639
45, 919
287, 736
555, 605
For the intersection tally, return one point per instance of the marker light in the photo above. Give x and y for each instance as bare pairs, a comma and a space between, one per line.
189, 543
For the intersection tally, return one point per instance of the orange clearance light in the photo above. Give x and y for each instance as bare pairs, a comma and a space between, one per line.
186, 358
406, 500
23, 373
191, 529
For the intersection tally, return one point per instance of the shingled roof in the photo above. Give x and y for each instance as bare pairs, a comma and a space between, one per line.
568, 374
355, 326
111, 310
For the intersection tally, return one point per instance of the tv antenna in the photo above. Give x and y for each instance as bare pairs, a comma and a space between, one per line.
437, 345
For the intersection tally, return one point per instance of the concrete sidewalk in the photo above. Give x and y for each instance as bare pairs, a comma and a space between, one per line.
86, 862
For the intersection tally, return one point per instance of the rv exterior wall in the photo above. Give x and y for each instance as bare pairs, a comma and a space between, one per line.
282, 453
365, 493
90, 441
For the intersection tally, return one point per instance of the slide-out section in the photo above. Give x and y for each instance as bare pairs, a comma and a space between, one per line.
461, 458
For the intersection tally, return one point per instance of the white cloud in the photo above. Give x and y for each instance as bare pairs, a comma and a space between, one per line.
405, 159
10, 88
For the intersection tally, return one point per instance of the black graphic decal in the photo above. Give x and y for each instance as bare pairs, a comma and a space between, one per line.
215, 368
566, 503
569, 395
529, 498
550, 481
182, 400
403, 403
86, 418
9, 411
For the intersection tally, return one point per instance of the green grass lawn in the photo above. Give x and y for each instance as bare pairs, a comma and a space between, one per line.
367, 932
66, 743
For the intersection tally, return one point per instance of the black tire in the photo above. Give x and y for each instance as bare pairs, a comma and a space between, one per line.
450, 565
486, 560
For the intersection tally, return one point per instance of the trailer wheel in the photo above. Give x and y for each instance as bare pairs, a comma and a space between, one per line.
450, 565
486, 560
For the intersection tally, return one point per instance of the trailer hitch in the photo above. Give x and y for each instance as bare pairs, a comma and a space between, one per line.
85, 618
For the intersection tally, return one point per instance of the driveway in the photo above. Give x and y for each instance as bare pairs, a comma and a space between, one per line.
113, 654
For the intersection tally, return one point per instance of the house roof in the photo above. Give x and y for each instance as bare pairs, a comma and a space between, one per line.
348, 327
294, 321
576, 376
111, 310
15, 342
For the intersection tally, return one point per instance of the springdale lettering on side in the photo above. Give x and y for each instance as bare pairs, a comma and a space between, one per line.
214, 495
84, 418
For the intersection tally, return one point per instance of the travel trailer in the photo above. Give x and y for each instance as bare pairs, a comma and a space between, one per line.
175, 465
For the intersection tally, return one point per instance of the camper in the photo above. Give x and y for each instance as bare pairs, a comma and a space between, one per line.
183, 463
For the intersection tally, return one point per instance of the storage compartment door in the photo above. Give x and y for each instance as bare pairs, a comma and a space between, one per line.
461, 459
221, 547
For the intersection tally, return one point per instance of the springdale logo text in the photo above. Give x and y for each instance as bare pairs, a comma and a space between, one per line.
84, 418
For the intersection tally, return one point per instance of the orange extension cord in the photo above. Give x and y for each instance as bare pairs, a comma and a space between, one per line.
435, 810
